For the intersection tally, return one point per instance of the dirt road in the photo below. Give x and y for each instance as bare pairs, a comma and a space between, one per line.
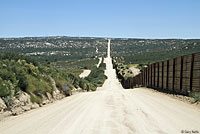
110, 110
85, 73
100, 60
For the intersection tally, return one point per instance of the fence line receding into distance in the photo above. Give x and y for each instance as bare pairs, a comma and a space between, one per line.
180, 75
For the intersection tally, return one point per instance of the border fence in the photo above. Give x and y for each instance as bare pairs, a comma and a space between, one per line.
180, 75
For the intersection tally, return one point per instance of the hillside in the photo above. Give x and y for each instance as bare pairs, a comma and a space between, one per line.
71, 49
40, 83
53, 49
139, 51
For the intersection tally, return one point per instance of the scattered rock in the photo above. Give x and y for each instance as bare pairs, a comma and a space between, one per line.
56, 94
185, 99
49, 96
34, 106
44, 102
74, 91
16, 102
17, 110
24, 98
19, 104
79, 89
2, 105
22, 101
40, 105
26, 108
53, 83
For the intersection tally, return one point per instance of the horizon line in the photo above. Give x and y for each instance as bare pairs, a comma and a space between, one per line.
103, 37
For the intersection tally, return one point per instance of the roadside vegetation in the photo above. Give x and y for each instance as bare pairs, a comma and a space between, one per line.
22, 73
81, 64
97, 77
126, 70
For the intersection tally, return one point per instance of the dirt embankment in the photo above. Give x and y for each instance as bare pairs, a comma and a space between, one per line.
20, 103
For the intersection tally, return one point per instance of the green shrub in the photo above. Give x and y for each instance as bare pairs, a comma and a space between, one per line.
36, 99
59, 84
67, 89
92, 87
4, 89
96, 78
19, 72
102, 66
23, 80
83, 84
7, 75
196, 95
37, 86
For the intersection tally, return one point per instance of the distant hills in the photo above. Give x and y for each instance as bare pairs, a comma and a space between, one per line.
66, 48
139, 51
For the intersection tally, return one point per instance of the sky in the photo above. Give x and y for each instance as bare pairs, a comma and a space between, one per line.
100, 18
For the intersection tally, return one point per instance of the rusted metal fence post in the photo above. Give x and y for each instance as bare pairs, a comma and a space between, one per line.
162, 74
167, 74
151, 75
181, 74
154, 74
173, 80
191, 72
146, 76
158, 76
